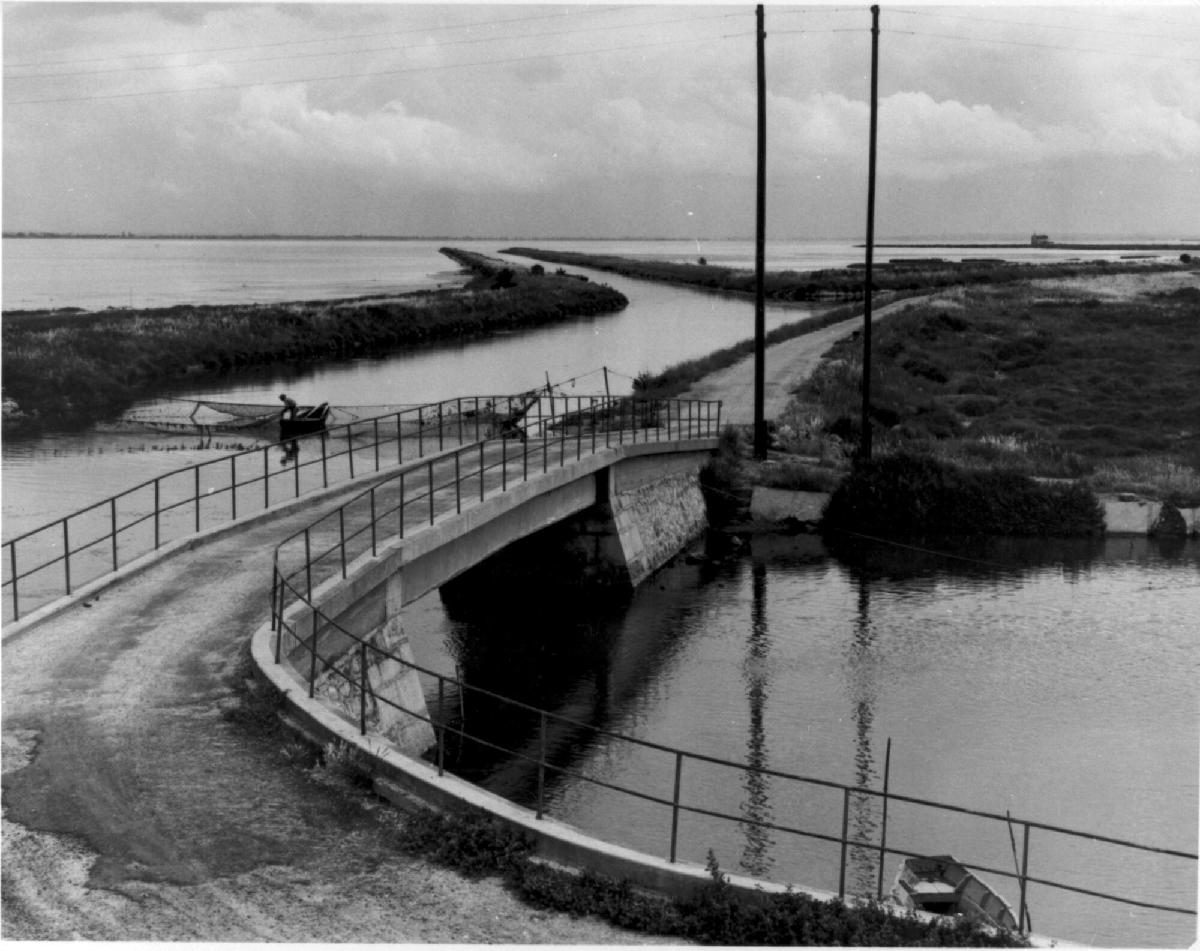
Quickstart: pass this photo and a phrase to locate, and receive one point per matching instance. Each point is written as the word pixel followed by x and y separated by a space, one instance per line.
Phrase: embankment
pixel 71 368
pixel 835 284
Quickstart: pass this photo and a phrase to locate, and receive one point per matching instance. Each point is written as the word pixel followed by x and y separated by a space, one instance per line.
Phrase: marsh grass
pixel 1067 387
pixel 76 368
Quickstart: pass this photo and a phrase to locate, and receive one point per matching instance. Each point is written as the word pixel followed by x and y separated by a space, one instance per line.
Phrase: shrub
pixel 918 495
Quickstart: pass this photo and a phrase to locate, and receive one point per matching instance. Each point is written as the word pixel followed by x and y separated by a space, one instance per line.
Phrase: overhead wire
pixel 371 49
pixel 329 39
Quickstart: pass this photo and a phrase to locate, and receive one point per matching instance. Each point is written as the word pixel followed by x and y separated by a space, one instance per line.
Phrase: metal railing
pixel 55 560
pixel 352 668
pixel 417 495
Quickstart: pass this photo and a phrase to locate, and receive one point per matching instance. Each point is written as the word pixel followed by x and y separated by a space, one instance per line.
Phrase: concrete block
pixel 1129 515
pixel 775 505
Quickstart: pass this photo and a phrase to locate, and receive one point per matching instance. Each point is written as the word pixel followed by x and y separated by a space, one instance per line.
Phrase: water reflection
pixel 1055 680
pixel 757 858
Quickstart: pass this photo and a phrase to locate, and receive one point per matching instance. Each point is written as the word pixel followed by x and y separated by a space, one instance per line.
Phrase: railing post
pixel 545 445
pixel 845 830
pixel 477 419
pixel 675 804
pixel 441 724
pixel 420 432
pixel 296 473
pixel 67 554
pixel 401 505
pixel 157 513
pixel 312 663
pixel 350 446
pixel 375 426
pixel 324 464
pixel 458 484
pixel 196 495
pixel 1023 920
pixel 441 426
pixel 541 800
pixel 460 426
pixel 342 538
pixel 308 562
pixel 887 772
pixel 430 491
pixel 592 407
pixel 362 689
pixel 374 527
pixel 266 478
pixel 12 563
pixel 112 517
pixel 524 459
pixel 399 438
pixel 233 488
pixel 482 471
pixel 503 465
pixel 275 586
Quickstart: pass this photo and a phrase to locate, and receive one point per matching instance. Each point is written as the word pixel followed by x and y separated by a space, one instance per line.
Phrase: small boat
pixel 306 420
pixel 942 885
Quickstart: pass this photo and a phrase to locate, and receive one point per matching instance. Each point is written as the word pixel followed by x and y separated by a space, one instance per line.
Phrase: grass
pixel 1068 386
pixel 71 368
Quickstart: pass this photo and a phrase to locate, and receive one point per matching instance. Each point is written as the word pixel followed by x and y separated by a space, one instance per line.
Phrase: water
pixel 1056 680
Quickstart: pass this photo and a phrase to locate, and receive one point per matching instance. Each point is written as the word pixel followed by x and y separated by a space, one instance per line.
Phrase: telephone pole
pixel 865 447
pixel 760 424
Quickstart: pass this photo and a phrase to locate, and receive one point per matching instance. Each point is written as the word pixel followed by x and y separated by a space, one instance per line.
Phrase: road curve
pixel 134 810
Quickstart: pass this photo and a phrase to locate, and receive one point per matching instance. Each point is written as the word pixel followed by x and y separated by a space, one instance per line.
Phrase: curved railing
pixel 47 563
pixel 352 668
pixel 439 488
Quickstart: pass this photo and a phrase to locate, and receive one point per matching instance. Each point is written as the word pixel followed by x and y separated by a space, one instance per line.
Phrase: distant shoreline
pixel 1050 246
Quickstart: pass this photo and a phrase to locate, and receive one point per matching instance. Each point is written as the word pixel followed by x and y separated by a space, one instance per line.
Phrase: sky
pixel 595 120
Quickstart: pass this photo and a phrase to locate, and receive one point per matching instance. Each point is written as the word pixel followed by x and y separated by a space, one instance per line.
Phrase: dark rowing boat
pixel 305 421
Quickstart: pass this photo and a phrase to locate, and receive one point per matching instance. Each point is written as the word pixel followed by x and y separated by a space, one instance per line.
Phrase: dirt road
pixel 786 366
pixel 134 810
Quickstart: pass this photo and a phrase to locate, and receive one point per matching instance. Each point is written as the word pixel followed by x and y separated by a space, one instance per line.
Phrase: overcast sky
pixel 598 121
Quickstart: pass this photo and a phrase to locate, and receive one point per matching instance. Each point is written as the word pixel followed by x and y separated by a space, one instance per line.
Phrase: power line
pixel 1046 46
pixel 375 49
pixel 1040 26
pixel 329 39
pixel 364 74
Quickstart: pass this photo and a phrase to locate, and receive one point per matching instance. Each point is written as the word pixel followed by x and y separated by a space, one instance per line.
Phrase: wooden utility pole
pixel 760 423
pixel 865 448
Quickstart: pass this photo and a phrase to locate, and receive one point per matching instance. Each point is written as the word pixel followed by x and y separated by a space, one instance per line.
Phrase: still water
pixel 1056 681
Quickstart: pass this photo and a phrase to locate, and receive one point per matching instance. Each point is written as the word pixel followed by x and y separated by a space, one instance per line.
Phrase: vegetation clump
pixel 907 495
pixel 478 845
pixel 71 368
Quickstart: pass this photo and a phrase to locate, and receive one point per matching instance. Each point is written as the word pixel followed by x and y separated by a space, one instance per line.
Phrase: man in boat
pixel 289 406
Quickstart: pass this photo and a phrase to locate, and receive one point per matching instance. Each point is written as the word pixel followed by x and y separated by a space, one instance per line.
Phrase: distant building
pixel 1040 240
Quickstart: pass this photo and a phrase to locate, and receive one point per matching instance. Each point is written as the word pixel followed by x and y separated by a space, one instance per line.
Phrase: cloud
pixel 277 124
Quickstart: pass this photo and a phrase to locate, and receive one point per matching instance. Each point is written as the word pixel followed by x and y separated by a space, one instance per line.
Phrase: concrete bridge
pixel 478 524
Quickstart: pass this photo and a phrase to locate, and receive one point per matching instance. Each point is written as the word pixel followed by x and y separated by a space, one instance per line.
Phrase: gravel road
pixel 135 810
